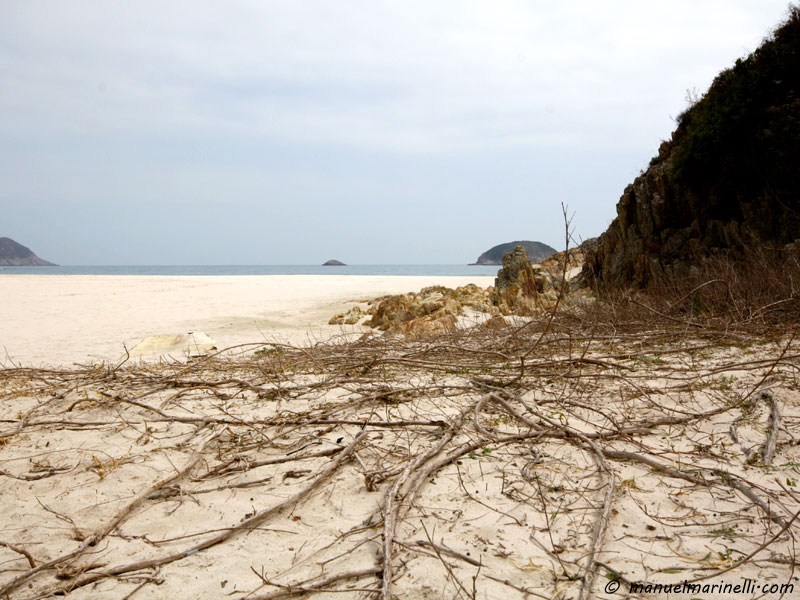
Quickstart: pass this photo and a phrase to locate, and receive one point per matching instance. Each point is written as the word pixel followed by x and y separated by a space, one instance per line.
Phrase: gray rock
pixel 537 251
pixel 12 253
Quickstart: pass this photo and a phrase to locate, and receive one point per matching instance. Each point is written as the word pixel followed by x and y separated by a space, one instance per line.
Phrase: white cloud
pixel 418 76
pixel 399 112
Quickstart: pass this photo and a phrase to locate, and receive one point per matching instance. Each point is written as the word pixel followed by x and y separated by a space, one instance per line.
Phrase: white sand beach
pixel 398 464
pixel 63 319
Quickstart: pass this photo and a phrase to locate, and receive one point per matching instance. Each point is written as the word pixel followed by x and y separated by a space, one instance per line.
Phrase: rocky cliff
pixel 12 253
pixel 726 181
pixel 537 251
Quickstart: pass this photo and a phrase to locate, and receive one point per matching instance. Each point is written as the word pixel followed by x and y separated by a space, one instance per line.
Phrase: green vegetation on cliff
pixel 725 185
pixel 537 251
pixel 738 148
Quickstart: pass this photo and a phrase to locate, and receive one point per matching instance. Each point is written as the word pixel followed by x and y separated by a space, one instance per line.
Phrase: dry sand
pixel 62 319
pixel 655 457
pixel 232 479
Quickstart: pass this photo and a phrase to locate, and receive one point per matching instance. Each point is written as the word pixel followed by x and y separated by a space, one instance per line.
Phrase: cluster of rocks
pixel 431 311
pixel 525 288
pixel 576 257
pixel 521 289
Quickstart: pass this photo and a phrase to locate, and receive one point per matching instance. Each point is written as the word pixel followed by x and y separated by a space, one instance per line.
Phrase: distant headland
pixel 13 253
pixel 333 263
pixel 537 251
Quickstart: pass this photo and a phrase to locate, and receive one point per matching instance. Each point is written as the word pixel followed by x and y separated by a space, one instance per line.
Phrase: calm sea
pixel 424 270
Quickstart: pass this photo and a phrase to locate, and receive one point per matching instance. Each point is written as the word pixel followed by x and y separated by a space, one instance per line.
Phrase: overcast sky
pixel 374 132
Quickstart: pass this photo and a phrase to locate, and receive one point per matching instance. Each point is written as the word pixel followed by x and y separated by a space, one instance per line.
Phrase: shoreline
pixel 60 320
pixel 432 270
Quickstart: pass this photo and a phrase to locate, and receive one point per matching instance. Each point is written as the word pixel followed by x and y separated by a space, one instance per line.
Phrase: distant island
pixel 537 251
pixel 333 263
pixel 13 253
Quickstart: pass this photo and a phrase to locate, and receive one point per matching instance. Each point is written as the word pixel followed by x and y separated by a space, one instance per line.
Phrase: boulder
pixel 429 326
pixel 351 317
pixel 518 286
pixel 194 343
pixel 495 323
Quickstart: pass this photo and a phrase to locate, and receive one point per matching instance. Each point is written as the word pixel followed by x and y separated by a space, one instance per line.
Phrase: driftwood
pixel 523 462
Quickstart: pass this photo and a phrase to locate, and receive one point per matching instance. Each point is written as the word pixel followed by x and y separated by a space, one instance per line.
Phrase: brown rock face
pixel 576 257
pixel 517 286
pixel 432 311
pixel 646 235
pixel 429 326
pixel 662 227
pixel 521 289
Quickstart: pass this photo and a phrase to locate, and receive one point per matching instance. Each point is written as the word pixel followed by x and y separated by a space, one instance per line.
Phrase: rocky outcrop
pixel 433 310
pixel 526 289
pixel 517 287
pixel 576 257
pixel 522 289
pixel 537 251
pixel 333 263
pixel 351 317
pixel 657 229
pixel 12 253
pixel 724 183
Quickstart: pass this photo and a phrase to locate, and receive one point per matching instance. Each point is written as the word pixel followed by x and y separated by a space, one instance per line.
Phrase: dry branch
pixel 567 423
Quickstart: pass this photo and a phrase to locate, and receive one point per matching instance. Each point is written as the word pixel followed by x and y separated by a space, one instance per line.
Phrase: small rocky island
pixel 15 254
pixel 333 263
pixel 537 251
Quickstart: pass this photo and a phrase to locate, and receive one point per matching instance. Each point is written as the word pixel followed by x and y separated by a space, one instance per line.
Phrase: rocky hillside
pixel 726 181
pixel 536 250
pixel 12 253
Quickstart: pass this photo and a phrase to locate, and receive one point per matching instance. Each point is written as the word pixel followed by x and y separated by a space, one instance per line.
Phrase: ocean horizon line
pixel 256 269
pixel 255 265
